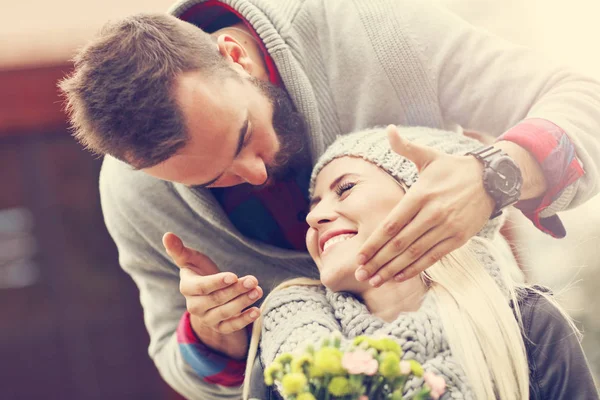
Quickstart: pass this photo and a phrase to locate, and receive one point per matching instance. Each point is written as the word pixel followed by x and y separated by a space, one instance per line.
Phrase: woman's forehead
pixel 347 164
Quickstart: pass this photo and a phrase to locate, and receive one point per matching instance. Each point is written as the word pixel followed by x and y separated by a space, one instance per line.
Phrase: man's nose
pixel 252 170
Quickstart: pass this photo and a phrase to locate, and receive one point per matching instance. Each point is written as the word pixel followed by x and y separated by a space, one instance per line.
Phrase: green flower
pixel 337 339
pixel 300 362
pixel 385 344
pixel 416 368
pixel 389 366
pixel 293 383
pixel 389 344
pixel 397 395
pixel 358 340
pixel 284 358
pixel 329 360
pixel 339 386
pixel 274 369
pixel 305 396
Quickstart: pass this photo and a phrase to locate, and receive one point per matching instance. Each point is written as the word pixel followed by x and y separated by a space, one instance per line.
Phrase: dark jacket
pixel 558 369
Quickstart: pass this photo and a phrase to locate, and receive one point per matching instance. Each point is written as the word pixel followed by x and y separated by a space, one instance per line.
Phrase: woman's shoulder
pixel 535 304
pixel 294 298
pixel 542 318
pixel 557 364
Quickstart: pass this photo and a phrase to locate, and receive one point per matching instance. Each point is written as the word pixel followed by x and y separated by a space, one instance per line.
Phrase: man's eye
pixel 248 136
pixel 344 187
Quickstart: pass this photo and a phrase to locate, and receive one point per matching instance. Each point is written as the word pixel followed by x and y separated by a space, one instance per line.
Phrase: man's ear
pixel 233 51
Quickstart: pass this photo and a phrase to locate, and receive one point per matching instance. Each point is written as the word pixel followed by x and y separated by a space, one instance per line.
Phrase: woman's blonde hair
pixel 483 330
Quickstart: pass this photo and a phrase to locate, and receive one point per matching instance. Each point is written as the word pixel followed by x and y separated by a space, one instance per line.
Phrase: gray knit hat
pixel 372 145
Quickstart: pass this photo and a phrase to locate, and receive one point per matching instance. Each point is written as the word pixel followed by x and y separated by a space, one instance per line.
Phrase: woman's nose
pixel 252 170
pixel 320 214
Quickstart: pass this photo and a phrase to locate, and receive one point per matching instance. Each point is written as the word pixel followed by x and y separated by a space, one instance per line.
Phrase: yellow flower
pixel 298 363
pixel 284 358
pixel 305 396
pixel 272 370
pixel 315 372
pixel 390 365
pixel 339 386
pixel 293 383
pixel 329 360
pixel 416 368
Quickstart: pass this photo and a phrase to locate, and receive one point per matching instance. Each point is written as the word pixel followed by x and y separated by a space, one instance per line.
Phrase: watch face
pixel 507 177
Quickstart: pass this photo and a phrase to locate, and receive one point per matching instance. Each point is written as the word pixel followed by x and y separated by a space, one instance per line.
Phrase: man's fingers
pixel 389 228
pixel 422 156
pixel 428 259
pixel 174 247
pixel 413 253
pixel 192 284
pixel 410 243
pixel 215 316
pixel 185 257
pixel 239 322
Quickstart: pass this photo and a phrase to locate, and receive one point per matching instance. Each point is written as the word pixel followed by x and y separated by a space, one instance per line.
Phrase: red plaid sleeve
pixel 213 367
pixel 555 153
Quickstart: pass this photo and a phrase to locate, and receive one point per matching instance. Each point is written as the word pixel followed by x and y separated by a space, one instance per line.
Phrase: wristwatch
pixel 502 177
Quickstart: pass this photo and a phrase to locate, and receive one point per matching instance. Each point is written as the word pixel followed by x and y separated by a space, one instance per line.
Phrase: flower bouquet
pixel 364 369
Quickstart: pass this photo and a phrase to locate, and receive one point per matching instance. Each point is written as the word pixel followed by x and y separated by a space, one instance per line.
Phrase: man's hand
pixel 216 300
pixel 439 213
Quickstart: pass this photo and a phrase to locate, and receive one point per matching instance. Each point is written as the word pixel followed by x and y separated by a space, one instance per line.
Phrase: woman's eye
pixel 343 188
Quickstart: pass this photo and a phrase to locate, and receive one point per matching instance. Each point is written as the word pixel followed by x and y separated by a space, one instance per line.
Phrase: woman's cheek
pixel 312 245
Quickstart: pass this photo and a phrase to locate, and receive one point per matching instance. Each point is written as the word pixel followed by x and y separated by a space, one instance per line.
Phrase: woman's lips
pixel 331 238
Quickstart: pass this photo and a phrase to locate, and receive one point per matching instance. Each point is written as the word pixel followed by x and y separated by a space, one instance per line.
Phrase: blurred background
pixel 70 322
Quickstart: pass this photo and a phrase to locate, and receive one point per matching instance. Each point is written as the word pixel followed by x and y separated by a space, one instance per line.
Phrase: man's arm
pixel 137 210
pixel 487 84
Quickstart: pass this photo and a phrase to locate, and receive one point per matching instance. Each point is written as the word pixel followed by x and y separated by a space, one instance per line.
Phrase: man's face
pixel 242 130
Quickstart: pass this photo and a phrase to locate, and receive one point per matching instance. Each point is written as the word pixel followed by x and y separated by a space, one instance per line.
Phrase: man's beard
pixel 290 128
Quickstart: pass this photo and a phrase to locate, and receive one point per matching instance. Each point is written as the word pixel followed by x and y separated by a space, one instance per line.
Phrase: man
pixel 212 133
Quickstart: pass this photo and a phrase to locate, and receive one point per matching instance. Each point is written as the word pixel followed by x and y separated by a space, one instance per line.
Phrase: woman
pixel 463 318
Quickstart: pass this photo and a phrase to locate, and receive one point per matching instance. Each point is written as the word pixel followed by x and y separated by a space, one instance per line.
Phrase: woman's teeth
pixel 337 239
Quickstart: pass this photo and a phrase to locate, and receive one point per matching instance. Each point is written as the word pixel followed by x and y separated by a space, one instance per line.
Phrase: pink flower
pixel 436 383
pixel 360 362
pixel 405 367
pixel 363 397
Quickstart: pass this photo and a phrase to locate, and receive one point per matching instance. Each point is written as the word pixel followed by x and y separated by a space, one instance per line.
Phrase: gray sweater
pixel 348 65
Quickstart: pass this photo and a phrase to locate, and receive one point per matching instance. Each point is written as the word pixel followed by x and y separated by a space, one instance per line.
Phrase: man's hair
pixel 120 97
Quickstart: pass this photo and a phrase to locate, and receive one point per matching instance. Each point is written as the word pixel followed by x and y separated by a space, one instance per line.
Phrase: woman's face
pixel 351 198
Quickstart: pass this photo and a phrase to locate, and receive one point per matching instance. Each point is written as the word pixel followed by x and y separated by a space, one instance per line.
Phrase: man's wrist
pixel 208 337
pixel 534 181
pixel 212 339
